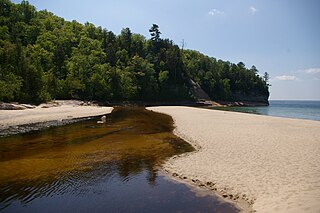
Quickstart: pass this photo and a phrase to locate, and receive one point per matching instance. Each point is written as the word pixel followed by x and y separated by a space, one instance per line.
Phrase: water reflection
pixel 87 158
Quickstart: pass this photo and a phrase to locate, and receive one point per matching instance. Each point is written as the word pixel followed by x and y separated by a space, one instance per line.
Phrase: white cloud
pixel 286 78
pixel 311 71
pixel 215 12
pixel 253 10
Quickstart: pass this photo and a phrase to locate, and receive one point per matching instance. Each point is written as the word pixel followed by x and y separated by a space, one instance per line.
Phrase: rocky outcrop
pixel 11 106
pixel 252 97
pixel 198 92
pixel 238 98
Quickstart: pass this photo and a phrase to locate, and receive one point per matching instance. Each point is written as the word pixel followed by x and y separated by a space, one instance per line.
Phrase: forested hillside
pixel 44 57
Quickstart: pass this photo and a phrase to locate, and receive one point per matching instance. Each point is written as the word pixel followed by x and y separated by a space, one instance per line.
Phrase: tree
pixel 43 56
pixel 163 83
pixel 83 64
pixel 110 47
pixel 138 43
pixel 266 78
pixel 155 33
pixel 254 69
pixel 143 75
pixel 26 10
pixel 10 85
pixel 125 39
pixel 225 92
pixel 241 65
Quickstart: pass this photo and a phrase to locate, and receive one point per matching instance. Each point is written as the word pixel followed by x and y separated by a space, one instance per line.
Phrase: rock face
pixel 253 97
pixel 198 92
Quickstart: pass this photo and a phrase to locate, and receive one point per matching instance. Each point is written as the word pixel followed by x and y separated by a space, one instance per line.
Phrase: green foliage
pixel 223 80
pixel 163 78
pixel 155 32
pixel 10 85
pixel 44 57
pixel 142 73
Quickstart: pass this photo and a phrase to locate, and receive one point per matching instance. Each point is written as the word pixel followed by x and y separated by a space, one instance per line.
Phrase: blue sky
pixel 281 37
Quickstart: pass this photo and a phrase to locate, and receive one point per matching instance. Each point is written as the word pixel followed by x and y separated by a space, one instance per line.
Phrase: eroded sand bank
pixel 66 110
pixel 273 163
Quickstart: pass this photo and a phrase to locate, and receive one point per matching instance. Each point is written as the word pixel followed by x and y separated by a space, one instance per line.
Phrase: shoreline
pixel 259 163
pixel 32 127
pixel 201 190
pixel 238 104
pixel 35 118
pixel 241 202
pixel 256 162
pixel 195 103
pixel 15 119
pixel 47 115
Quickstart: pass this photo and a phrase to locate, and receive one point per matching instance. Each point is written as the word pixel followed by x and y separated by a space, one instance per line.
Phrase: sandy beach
pixel 271 163
pixel 65 110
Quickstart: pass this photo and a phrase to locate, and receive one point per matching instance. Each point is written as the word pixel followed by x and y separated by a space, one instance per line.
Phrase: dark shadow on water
pixel 90 167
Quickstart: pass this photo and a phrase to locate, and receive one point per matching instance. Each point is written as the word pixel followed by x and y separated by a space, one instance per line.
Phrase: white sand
pixel 274 162
pixel 38 114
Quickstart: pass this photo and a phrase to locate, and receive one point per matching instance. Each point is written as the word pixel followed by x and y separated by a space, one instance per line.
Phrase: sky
pixel 281 37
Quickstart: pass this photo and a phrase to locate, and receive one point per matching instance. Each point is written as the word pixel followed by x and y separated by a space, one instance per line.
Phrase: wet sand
pixel 271 163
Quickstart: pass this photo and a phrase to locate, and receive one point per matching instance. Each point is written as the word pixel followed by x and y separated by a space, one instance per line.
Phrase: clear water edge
pixel 309 110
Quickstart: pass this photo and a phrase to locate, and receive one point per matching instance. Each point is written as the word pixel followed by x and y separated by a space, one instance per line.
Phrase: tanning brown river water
pixel 90 167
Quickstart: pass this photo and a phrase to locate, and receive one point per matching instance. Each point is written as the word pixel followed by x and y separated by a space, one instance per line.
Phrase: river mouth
pixel 87 166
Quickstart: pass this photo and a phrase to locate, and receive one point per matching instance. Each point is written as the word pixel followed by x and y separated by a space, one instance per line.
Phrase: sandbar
pixel 64 111
pixel 271 163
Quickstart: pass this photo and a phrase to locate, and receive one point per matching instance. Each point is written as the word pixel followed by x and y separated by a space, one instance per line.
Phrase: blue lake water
pixel 290 109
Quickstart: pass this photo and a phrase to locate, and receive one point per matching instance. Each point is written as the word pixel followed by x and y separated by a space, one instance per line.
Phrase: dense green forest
pixel 44 57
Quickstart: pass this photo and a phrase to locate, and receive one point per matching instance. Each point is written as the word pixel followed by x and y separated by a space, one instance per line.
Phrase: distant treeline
pixel 44 57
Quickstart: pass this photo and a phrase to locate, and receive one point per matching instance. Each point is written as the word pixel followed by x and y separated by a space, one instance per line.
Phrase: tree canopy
pixel 43 57
pixel 155 32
